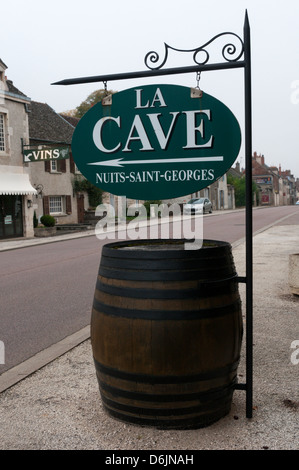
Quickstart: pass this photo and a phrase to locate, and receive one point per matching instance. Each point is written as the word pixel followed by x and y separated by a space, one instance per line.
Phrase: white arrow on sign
pixel 118 162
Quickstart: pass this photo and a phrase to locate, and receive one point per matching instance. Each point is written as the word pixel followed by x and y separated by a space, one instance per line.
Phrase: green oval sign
pixel 156 142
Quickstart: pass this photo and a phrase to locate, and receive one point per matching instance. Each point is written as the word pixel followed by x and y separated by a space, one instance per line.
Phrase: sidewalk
pixel 25 242
pixel 59 407
pixel 12 244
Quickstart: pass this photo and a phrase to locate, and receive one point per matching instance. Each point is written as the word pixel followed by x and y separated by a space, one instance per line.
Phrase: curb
pixel 39 360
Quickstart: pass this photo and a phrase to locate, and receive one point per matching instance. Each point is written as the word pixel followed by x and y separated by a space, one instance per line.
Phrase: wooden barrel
pixel 166 332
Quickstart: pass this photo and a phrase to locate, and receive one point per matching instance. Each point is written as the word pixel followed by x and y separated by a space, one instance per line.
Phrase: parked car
pixel 198 206
pixel 297 203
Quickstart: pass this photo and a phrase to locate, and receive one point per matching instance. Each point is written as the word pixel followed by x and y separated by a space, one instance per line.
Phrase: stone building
pixel 51 174
pixel 277 187
pixel 222 194
pixel 16 191
pixel 289 193
pixel 267 180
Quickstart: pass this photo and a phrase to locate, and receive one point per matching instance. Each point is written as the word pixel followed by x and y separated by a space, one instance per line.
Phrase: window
pixel 56 204
pixel 53 165
pixel 2 133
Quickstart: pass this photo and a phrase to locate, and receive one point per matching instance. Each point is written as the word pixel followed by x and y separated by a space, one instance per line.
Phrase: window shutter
pixel 68 204
pixel 72 164
pixel 47 165
pixel 63 166
pixel 46 206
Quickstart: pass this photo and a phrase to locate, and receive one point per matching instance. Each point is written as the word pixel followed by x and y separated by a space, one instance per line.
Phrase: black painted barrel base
pixel 168 423
pixel 173 410
pixel 166 332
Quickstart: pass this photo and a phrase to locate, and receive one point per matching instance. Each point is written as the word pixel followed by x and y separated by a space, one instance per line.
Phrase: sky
pixel 45 41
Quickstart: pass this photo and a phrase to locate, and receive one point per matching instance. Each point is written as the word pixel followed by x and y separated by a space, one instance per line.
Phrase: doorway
pixel 11 216
pixel 80 208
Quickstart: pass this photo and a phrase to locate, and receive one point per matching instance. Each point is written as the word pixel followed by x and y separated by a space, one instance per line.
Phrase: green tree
pixel 91 100
pixel 239 185
pixel 94 193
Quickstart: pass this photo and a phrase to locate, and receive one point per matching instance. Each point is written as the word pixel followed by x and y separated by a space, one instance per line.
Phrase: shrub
pixel 47 220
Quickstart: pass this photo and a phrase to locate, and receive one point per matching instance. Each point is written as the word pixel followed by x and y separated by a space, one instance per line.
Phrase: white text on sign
pixel 138 129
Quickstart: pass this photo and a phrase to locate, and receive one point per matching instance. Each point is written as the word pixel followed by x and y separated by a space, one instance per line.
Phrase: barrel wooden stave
pixel 169 359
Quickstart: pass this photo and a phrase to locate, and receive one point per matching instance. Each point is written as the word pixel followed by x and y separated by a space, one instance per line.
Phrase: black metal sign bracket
pixel 232 55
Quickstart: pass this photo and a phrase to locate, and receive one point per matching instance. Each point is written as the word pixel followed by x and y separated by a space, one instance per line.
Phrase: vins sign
pixel 156 142
pixel 41 154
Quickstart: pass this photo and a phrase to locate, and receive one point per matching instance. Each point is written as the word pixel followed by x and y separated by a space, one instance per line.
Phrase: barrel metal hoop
pixel 200 265
pixel 166 379
pixel 204 396
pixel 200 420
pixel 161 411
pixel 202 289
pixel 163 315
pixel 162 274
pixel 124 249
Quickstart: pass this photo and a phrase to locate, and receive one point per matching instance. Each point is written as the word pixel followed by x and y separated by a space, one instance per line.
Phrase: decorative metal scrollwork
pixel 230 52
pixel 39 188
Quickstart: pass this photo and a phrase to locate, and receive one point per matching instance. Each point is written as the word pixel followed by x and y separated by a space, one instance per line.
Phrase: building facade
pixel 16 191
pixel 53 176
pixel 277 187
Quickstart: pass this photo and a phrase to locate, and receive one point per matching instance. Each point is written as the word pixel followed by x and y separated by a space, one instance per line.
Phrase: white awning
pixel 15 183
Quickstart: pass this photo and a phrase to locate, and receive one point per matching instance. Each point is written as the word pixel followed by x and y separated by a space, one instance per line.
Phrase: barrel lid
pixel 169 248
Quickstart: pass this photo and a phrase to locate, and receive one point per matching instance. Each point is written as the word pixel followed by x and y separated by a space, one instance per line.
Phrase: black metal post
pixel 248 279
pixel 249 251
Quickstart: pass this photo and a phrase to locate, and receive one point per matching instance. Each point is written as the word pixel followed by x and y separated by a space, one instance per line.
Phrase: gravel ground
pixel 59 407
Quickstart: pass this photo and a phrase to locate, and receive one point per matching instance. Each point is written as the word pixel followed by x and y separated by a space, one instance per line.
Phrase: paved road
pixel 234 227
pixel 46 291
